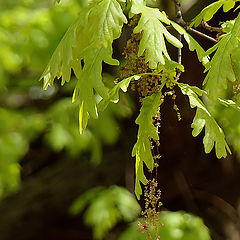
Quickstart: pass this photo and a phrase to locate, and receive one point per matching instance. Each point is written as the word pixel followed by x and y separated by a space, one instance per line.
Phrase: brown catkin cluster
pixel 145 86
pixel 148 84
pixel 152 197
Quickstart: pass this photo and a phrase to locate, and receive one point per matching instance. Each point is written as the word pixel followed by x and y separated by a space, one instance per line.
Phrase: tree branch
pixel 201 34
pixel 210 28
pixel 180 20
pixel 178 13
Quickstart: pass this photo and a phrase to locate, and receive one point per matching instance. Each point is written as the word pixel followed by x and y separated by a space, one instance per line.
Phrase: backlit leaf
pixel 114 92
pixel 213 133
pixel 85 46
pixel 142 148
pixel 153 42
pixel 192 43
pixel 207 13
pixel 220 68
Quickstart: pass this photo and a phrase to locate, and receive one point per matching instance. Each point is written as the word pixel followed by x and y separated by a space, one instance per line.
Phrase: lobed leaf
pixel 207 13
pixel 235 60
pixel 213 133
pixel 227 26
pixel 142 148
pixel 220 68
pixel 105 208
pixel 114 92
pixel 84 47
pixel 152 42
pixel 192 43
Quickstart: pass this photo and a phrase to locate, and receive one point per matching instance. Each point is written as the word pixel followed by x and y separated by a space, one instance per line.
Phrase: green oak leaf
pixel 87 44
pixel 142 148
pixel 153 42
pixel 192 43
pixel 227 26
pixel 207 13
pixel 220 68
pixel 114 92
pixel 213 133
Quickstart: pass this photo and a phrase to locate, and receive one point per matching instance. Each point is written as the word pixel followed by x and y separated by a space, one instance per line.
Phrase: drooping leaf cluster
pixel 152 42
pixel 88 43
pixel 221 68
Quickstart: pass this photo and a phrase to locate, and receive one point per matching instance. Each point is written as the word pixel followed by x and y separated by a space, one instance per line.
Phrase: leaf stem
pixel 201 34
pixel 210 28
pixel 178 13
pixel 226 103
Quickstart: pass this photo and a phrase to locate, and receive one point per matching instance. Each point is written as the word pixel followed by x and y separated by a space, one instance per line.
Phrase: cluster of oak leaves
pixel 146 86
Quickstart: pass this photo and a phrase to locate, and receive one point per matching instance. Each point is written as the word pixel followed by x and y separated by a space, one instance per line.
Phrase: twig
pixel 180 50
pixel 180 21
pixel 201 34
pixel 179 13
pixel 210 28
pixel 196 32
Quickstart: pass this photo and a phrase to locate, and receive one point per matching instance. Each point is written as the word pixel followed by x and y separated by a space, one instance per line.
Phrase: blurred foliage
pixel 30 30
pixel 29 33
pixel 16 132
pixel 105 208
pixel 173 226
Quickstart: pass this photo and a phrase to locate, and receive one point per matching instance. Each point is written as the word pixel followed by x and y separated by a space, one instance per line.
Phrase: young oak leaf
pixel 213 133
pixel 89 43
pixel 235 59
pixel 227 26
pixel 207 13
pixel 104 24
pixel 220 68
pixel 62 61
pixel 90 79
pixel 142 148
pixel 224 102
pixel 114 92
pixel 152 42
pixel 192 43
